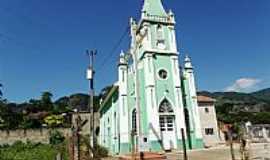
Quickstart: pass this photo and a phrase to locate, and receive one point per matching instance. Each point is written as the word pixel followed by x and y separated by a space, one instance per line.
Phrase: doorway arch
pixel 167 125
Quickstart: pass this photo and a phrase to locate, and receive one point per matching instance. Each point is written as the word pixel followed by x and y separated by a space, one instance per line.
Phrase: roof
pixel 205 99
pixel 111 92
pixel 154 7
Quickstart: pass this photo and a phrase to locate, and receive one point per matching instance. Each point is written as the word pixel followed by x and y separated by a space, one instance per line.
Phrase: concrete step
pixel 146 156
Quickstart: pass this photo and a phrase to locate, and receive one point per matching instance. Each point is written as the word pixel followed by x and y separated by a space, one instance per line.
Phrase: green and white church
pixel 150 81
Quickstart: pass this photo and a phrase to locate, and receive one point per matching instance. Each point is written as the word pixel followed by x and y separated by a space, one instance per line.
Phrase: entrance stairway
pixel 145 156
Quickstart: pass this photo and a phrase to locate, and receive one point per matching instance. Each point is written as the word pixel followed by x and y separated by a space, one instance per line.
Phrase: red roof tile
pixel 205 99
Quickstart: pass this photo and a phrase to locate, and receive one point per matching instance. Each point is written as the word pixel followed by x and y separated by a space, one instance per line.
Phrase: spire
pixel 122 60
pixel 154 7
pixel 188 64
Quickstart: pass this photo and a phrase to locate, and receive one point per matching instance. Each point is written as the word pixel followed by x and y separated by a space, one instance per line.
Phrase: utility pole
pixel 184 144
pixel 231 143
pixel 90 77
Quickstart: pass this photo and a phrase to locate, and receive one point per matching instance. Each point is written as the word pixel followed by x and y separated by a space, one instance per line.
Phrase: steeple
pixel 188 64
pixel 122 60
pixel 154 8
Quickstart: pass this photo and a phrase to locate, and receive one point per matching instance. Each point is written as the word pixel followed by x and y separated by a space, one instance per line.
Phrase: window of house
pixel 206 110
pixel 209 131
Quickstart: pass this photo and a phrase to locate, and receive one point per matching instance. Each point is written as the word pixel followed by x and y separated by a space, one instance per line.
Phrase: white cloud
pixel 243 85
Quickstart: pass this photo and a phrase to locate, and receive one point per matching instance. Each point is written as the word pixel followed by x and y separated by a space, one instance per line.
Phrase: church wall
pixel 164 87
pixel 143 106
pixel 108 120
pixel 166 32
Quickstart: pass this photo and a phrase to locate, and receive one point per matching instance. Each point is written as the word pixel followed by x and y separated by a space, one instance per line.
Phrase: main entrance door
pixel 167 125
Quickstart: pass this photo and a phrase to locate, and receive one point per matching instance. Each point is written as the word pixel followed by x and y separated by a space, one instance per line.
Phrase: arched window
pixel 159 32
pixel 165 107
pixel 134 121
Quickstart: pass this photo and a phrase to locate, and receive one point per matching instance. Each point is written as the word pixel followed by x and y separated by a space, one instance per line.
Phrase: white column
pixel 151 102
pixel 172 37
pixel 179 109
pixel 123 104
pixel 194 102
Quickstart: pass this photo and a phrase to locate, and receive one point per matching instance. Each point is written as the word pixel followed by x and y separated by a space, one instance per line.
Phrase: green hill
pixel 262 95
pixel 236 107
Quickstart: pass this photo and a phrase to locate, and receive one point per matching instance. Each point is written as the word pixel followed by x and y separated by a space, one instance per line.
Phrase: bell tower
pixel 156 29
pixel 154 43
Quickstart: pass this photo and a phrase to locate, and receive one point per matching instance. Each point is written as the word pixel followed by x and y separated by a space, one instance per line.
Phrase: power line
pixel 115 47
pixel 137 17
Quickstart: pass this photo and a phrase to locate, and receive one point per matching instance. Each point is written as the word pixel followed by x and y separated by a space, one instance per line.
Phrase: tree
pixel 54 120
pixel 62 105
pixel 8 118
pixel 79 101
pixel 105 91
pixel 46 101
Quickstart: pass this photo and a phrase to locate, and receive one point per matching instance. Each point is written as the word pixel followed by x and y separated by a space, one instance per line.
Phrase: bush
pixel 56 137
pixel 29 151
pixel 100 151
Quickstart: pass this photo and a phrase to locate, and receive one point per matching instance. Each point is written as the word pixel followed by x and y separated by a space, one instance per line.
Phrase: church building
pixel 154 98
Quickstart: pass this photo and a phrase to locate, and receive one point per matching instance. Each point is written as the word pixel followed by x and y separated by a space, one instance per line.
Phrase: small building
pixel 209 125
pixel 259 132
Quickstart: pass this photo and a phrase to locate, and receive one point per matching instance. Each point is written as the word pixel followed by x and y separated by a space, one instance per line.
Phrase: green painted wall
pixel 164 86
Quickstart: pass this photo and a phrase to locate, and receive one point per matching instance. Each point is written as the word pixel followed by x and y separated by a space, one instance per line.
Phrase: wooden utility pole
pixel 76 143
pixel 231 143
pixel 90 77
pixel 184 144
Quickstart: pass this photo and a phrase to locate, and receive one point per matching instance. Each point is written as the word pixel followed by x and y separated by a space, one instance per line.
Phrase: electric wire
pixel 114 48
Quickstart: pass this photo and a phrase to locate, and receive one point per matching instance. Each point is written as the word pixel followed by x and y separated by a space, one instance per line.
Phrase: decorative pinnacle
pixel 188 64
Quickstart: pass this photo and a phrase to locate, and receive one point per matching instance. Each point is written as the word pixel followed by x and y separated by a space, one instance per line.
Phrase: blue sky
pixel 42 43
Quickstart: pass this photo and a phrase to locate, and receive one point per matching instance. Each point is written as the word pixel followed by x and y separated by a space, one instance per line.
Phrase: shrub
pixel 29 151
pixel 100 151
pixel 56 137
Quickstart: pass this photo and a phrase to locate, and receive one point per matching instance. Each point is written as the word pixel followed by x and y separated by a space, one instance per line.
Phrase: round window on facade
pixel 163 74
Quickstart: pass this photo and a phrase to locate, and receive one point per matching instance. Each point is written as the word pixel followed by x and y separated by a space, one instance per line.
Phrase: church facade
pixel 153 88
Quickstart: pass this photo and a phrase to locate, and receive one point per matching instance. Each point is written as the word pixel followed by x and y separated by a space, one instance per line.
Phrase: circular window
pixel 163 74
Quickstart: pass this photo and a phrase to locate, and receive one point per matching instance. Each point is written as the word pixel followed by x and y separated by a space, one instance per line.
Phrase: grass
pixel 31 151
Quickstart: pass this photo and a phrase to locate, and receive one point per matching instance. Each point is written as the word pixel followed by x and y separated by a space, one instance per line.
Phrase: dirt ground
pixel 257 152
pixel 260 151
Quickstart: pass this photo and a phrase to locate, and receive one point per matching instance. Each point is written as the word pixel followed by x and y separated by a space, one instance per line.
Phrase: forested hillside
pixel 234 106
